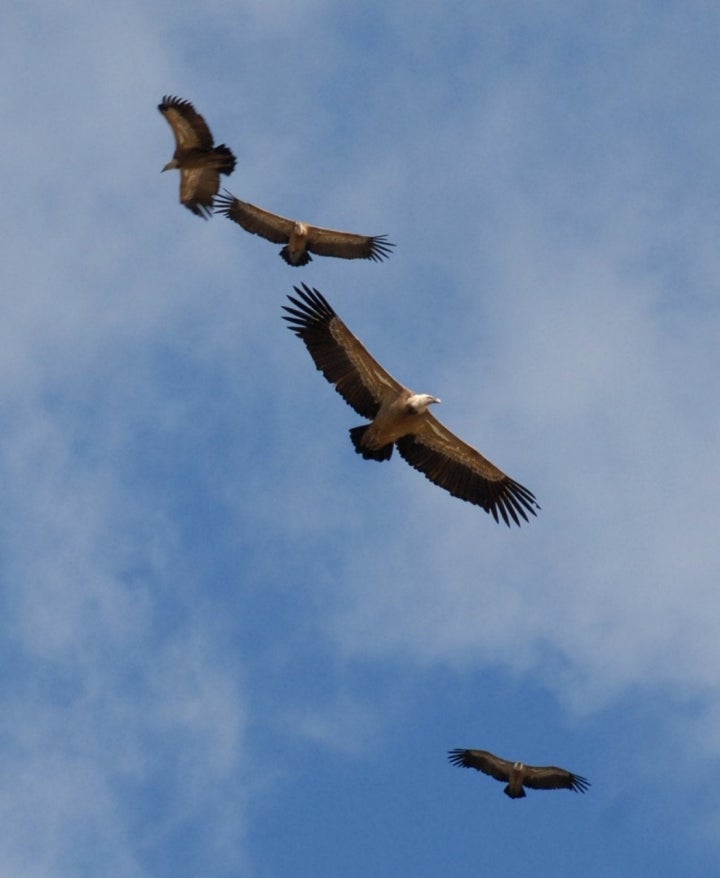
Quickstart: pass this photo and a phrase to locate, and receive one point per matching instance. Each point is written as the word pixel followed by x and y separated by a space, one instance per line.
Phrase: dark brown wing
pixel 549 777
pixel 459 468
pixel 343 359
pixel 197 189
pixel 189 127
pixel 254 219
pixel 481 760
pixel 346 245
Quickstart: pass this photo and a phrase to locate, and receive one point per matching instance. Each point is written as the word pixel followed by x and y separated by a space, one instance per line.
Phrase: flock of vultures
pixel 398 417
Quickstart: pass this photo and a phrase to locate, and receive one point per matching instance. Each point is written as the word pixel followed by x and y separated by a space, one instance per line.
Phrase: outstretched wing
pixel 198 186
pixel 550 777
pixel 346 245
pixel 189 127
pixel 343 359
pixel 459 468
pixel 254 219
pixel 481 760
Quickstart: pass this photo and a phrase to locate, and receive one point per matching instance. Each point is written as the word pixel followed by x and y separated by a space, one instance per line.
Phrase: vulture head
pixel 419 403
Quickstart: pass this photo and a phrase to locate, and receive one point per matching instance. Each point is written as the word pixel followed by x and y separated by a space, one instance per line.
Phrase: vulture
pixel 301 239
pixel 399 416
pixel 517 775
pixel 199 162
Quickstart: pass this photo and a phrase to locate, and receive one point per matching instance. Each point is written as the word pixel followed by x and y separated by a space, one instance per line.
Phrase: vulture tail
pixel 300 259
pixel 226 165
pixel 384 453
pixel 515 794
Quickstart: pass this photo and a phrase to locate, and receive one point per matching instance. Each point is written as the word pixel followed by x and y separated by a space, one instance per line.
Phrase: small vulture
pixel 517 775
pixel 399 416
pixel 199 162
pixel 301 239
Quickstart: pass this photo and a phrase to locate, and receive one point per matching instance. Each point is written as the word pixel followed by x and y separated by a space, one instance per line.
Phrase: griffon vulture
pixel 199 162
pixel 517 775
pixel 399 416
pixel 301 239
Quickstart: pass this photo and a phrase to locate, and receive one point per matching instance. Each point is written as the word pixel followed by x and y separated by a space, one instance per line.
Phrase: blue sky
pixel 231 646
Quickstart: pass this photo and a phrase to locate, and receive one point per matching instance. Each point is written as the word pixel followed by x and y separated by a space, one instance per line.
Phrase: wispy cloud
pixel 197 569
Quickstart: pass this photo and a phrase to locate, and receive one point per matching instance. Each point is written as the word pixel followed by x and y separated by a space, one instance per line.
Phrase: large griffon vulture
pixel 399 416
pixel 301 239
pixel 517 775
pixel 199 162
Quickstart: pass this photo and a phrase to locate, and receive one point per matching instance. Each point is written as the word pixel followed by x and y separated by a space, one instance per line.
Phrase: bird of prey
pixel 399 416
pixel 301 239
pixel 199 162
pixel 517 775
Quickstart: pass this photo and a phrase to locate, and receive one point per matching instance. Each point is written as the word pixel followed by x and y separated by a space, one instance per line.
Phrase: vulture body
pixel 199 162
pixel 301 239
pixel 517 775
pixel 400 417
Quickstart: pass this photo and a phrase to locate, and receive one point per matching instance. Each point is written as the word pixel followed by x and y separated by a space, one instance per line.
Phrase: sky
pixel 230 646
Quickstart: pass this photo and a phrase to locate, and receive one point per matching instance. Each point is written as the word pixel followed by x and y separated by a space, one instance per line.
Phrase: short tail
pixel 302 259
pixel 226 164
pixel 356 435
pixel 517 794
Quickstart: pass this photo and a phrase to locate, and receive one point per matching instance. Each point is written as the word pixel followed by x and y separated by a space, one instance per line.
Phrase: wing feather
pixel 338 354
pixel 550 777
pixel 452 464
pixel 188 126
pixel 481 760
pixel 347 245
pixel 197 189
pixel 254 219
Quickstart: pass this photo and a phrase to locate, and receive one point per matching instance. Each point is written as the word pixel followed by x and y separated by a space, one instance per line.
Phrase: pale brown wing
pixel 460 469
pixel 189 127
pixel 346 245
pixel 343 359
pixel 550 777
pixel 254 219
pixel 481 760
pixel 197 189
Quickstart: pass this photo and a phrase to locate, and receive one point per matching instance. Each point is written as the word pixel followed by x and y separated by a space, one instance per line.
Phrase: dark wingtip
pixel 580 784
pixel 172 101
pixel 381 248
pixel 223 203
pixel 457 757
pixel 314 296
pixel 310 309
pixel 516 500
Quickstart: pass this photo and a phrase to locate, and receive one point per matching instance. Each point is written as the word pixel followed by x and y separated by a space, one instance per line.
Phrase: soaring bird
pixel 517 775
pixel 400 416
pixel 199 162
pixel 301 239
